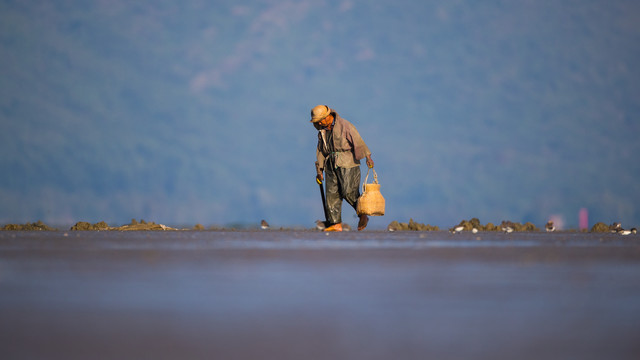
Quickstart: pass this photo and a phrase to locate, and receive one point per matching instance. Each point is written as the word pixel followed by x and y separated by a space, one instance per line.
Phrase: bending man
pixel 340 149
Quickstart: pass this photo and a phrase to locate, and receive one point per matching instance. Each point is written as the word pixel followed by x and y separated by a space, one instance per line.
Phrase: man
pixel 339 151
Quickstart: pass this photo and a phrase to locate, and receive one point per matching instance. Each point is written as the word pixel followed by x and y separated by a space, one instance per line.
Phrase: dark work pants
pixel 342 184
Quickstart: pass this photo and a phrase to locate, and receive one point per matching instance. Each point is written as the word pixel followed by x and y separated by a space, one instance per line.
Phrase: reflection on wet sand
pixel 312 295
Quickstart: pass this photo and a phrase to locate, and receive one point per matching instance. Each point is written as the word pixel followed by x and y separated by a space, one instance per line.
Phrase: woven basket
pixel 371 201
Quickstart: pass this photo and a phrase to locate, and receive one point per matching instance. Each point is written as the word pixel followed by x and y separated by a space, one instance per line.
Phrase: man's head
pixel 321 116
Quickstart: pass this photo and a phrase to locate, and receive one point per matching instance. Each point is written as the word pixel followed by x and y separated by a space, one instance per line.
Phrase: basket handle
pixel 375 178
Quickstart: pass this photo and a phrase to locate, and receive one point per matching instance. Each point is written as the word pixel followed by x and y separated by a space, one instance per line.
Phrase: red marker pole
pixel 583 219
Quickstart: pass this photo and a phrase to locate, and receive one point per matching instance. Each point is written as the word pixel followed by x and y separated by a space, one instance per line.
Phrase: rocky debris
pixel 411 226
pixel 85 226
pixel 474 226
pixel 600 227
pixel 615 228
pixel 133 226
pixel 36 226
pixel 510 226
pixel 143 226
pixel 469 225
pixel 518 226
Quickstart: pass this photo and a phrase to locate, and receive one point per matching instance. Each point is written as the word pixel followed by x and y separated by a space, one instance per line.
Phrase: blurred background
pixel 198 111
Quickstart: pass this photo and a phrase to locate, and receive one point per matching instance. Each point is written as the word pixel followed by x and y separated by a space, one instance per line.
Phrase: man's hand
pixel 319 177
pixel 369 162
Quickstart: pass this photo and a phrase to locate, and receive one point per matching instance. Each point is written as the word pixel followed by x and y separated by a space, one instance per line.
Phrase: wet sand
pixel 309 295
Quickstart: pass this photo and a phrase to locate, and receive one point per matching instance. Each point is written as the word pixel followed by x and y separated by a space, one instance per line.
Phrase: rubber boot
pixel 334 227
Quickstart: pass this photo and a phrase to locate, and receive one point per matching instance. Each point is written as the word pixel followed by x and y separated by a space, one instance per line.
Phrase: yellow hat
pixel 320 112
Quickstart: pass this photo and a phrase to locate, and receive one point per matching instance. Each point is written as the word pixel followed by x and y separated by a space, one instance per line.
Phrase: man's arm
pixel 369 161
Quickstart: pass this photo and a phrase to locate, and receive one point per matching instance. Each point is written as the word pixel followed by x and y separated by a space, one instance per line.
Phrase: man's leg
pixel 350 190
pixel 334 200
pixel 349 184
pixel 362 223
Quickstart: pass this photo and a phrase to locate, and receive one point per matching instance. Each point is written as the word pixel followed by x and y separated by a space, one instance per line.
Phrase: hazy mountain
pixel 197 111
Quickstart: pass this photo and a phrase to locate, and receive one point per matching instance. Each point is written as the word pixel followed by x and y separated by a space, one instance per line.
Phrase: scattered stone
pixel 410 226
pixel 36 226
pixel 507 226
pixel 465 225
pixel 600 227
pixel 490 227
pixel 143 226
pixel 528 226
pixel 85 226
pixel 133 226
pixel 514 226
pixel 472 225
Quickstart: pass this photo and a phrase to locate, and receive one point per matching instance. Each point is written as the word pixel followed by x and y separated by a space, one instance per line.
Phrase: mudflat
pixel 311 295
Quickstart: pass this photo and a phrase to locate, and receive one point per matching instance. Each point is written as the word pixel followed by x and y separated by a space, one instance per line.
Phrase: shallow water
pixel 312 295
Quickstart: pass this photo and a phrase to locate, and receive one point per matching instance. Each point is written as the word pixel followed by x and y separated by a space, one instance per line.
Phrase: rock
pixel 37 226
pixel 600 227
pixel 85 226
pixel 412 226
pixel 143 226
pixel 134 226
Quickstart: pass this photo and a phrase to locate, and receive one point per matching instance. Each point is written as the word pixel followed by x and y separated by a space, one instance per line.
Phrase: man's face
pixel 326 122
